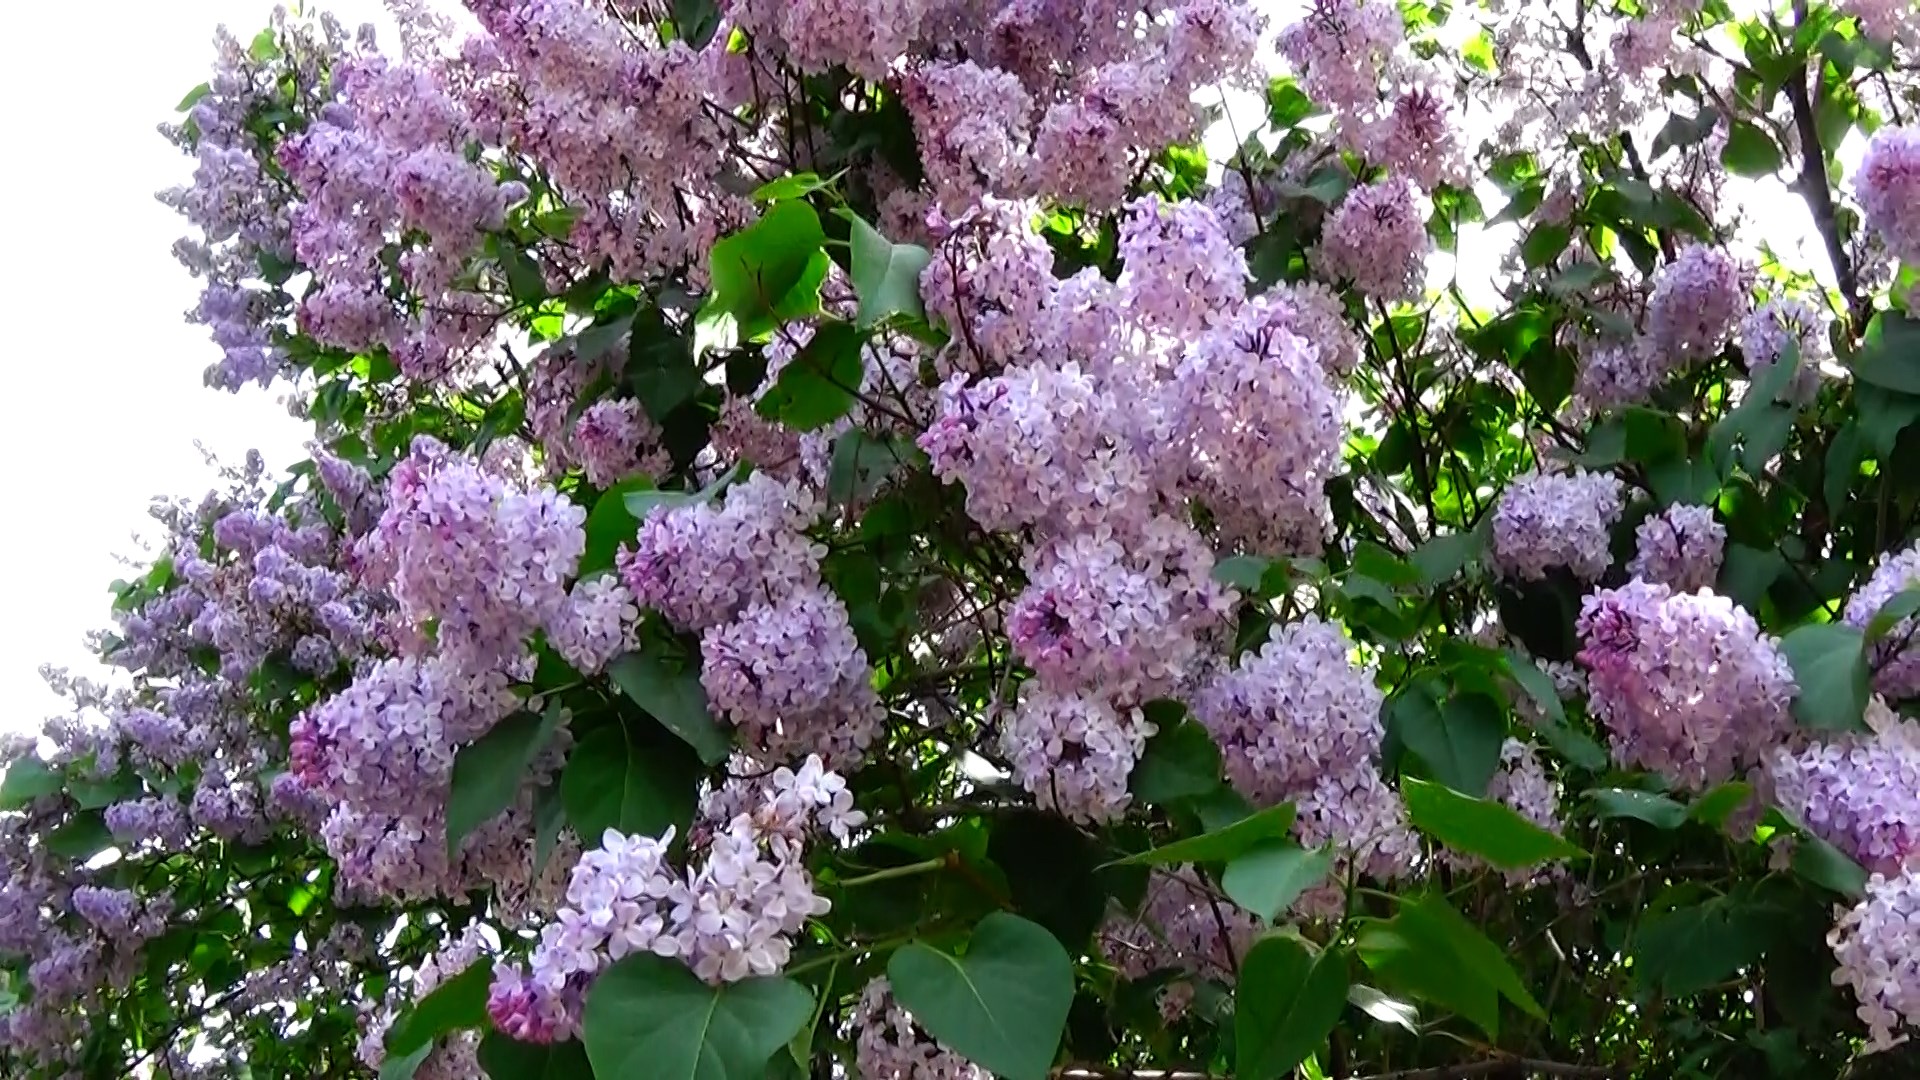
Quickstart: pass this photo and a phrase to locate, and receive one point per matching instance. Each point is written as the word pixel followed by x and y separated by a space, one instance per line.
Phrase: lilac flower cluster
pixel 888 1045
pixel 1376 240
pixel 1860 793
pixel 1185 924
pixel 1697 301
pixel 1686 684
pixel 1545 521
pixel 1522 785
pixel 732 914
pixel 1896 657
pixel 1680 547
pixel 1877 947
pixel 1773 327
pixel 1888 186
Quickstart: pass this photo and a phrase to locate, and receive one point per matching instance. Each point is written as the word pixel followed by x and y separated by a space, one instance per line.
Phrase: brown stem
pixel 1813 188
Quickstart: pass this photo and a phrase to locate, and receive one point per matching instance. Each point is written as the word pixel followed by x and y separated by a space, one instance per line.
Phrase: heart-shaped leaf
pixel 1002 1005
pixel 1286 1005
pixel 649 1016
pixel 673 697
pixel 612 782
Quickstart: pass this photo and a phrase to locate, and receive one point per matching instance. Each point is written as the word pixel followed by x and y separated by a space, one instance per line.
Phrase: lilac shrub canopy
pixel 914 539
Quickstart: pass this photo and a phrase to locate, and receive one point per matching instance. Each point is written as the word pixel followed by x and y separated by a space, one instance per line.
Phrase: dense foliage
pixel 839 543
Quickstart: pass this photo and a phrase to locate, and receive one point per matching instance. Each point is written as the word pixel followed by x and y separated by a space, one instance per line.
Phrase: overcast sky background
pixel 106 400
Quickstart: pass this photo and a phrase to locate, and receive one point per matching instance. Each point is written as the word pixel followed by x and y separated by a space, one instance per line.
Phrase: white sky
pixel 106 400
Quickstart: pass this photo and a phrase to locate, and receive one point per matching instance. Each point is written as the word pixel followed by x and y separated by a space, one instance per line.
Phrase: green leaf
pixel 1286 1004
pixel 1180 762
pixel 673 697
pixel 1267 878
pixel 488 772
pixel 1220 844
pixel 1890 357
pixel 1884 414
pixel 1830 665
pixel 265 47
pixel 1444 958
pixel 81 838
pixel 1459 740
pixel 403 1066
pixel 1243 572
pixel 27 779
pixel 506 1058
pixel 1827 866
pixel 1544 244
pixel 771 271
pixel 1575 746
pixel 1750 151
pixel 459 1004
pixel 1684 131
pixel 696 20
pixel 611 523
pixel 1002 1005
pixel 1717 804
pixel 818 385
pixel 886 275
pixel 612 783
pixel 1383 1007
pixel 1656 810
pixel 193 97
pixel 1690 949
pixel 1481 827
pixel 642 501
pixel 648 1016
pixel 1440 558
pixel 863 461
pixel 796 186
pixel 1900 607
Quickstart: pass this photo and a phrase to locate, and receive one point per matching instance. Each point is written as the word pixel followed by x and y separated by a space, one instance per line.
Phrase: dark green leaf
pixel 403 1066
pixel 1717 804
pixel 611 782
pixel 458 1004
pixel 1656 810
pixel 1900 607
pixel 648 1016
pixel 1750 151
pixel 1180 762
pixel 27 779
pixel 505 1058
pixel 1241 571
pixel 1002 1004
pixel 1220 844
pixel 1440 558
pixel 1267 878
pixel 886 275
pixel 1827 866
pixel 1830 665
pixel 1890 358
pixel 1049 867
pixel 611 523
pixel 1481 827
pixel 1286 1004
pixel 1690 949
pixel 488 772
pixel 1544 244
pixel 818 385
pixel 863 461
pixel 81 838
pixel 1551 721
pixel 1884 414
pixel 696 20
pixel 1459 740
pixel 673 697
pixel 1430 950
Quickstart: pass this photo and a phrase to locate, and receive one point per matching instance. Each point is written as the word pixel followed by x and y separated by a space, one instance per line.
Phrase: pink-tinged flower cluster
pixel 1887 20
pixel 1685 683
pixel 791 678
pixel 595 624
pixel 1522 785
pixel 889 1045
pixel 1896 657
pixel 1876 945
pixel 1545 521
pixel 1262 424
pixel 1697 301
pixel 1376 240
pixel 989 279
pixel 1074 752
pixel 701 563
pixel 1363 820
pixel 974 129
pixel 1860 793
pixel 1039 445
pixel 1117 613
pixel 1185 924
pixel 1888 186
pixel 1680 547
pixel 1298 709
pixel 731 914
pixel 1781 326
pixel 485 562
pixel 1341 49
pixel 1418 135
pixel 1182 271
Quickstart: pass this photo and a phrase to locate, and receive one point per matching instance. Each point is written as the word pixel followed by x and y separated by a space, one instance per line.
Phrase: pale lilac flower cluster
pixel 1545 521
pixel 730 915
pixel 609 440
pixel 1182 271
pixel 1888 186
pixel 1887 20
pixel 1341 48
pixel 1680 547
pixel 1697 301
pixel 1262 424
pixel 487 563
pixel 1298 709
pixel 1376 240
pixel 1365 823
pixel 1613 373
pixel 792 679
pixel 1686 683
pixel 595 624
pixel 1877 947
pixel 700 564
pixel 1522 785
pixel 1185 924
pixel 1860 793
pixel 1772 329
pixel 1896 657
pixel 888 1045
pixel 1074 752
pixel 989 280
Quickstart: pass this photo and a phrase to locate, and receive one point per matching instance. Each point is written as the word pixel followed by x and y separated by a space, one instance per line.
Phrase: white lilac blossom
pixel 1680 547
pixel 1686 684
pixel 1553 520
